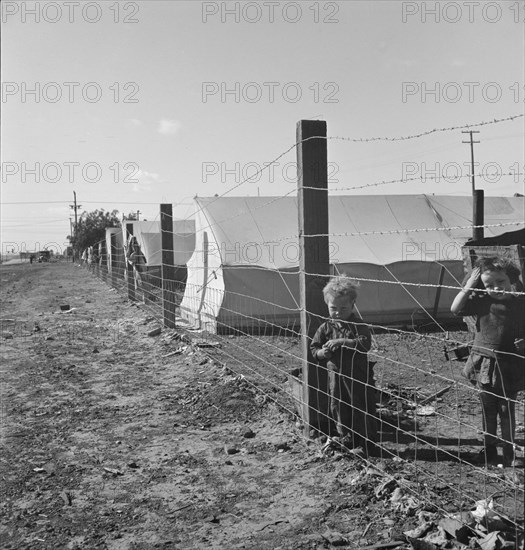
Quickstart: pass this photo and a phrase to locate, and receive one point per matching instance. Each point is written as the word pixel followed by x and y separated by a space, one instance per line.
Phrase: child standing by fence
pixel 496 364
pixel 137 259
pixel 342 344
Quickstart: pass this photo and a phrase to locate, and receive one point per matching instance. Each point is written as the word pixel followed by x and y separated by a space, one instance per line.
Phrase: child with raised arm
pixel 496 364
pixel 342 344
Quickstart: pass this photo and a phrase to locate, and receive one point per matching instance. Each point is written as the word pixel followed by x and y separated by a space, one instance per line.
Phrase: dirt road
pixel 115 439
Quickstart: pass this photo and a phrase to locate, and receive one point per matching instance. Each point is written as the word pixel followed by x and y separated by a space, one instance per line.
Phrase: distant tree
pixel 91 228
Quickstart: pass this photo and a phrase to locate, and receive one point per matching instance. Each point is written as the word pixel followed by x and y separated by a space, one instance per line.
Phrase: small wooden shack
pixel 510 245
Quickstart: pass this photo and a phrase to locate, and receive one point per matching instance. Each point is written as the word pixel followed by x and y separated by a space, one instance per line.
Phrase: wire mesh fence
pixel 428 415
pixel 400 391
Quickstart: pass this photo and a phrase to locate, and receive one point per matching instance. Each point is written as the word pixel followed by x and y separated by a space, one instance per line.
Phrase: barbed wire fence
pixel 253 319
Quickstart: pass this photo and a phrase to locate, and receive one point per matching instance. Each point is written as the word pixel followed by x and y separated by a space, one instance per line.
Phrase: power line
pixel 97 202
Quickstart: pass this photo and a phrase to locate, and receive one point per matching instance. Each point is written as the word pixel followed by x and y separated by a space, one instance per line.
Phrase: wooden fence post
pixel 96 259
pixel 103 260
pixel 113 253
pixel 312 181
pixel 438 292
pixel 168 266
pixel 129 266
pixel 478 214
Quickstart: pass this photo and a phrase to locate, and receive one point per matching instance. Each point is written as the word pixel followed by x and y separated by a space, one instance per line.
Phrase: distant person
pixel 32 258
pixel 496 365
pixel 341 344
pixel 95 258
pixel 138 261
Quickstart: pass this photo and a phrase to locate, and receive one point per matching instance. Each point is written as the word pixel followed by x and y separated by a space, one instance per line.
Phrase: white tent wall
pixel 391 303
pixel 119 252
pixel 252 295
pixel 204 291
pixel 183 246
pixel 256 294
pixel 246 274
pixel 457 212
pixel 148 235
pixel 149 239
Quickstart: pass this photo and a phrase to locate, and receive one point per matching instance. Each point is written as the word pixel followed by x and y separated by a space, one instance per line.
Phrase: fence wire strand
pixel 247 318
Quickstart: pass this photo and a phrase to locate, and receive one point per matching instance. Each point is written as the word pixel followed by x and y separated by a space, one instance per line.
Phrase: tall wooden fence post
pixel 113 257
pixel 129 266
pixel 312 181
pixel 478 214
pixel 103 260
pixel 168 265
pixel 96 259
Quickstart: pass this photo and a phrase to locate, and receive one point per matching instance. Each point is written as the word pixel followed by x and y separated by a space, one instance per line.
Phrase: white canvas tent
pixel 243 273
pixel 149 239
pixel 118 252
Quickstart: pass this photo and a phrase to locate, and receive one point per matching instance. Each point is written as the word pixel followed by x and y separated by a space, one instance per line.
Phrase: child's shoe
pixel 332 444
pixel 509 457
pixel 488 456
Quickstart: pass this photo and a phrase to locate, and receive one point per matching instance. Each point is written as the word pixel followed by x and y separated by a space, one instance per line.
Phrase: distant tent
pixel 244 271
pixel 457 211
pixel 149 239
pixel 115 255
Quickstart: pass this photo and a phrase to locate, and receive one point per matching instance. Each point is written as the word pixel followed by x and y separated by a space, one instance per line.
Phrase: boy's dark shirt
pixel 498 323
pixel 345 358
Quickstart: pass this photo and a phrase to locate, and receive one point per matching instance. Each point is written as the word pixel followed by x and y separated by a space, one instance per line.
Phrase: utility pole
pixel 75 207
pixel 471 141
pixel 70 239
pixel 477 195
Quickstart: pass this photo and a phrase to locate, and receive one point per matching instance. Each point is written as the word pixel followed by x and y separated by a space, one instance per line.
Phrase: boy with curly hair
pixel 341 344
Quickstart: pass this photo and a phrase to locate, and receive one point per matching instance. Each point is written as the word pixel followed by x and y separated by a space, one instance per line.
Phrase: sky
pixel 133 104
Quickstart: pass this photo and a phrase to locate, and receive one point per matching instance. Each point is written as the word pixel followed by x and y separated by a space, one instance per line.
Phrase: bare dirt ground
pixel 115 439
